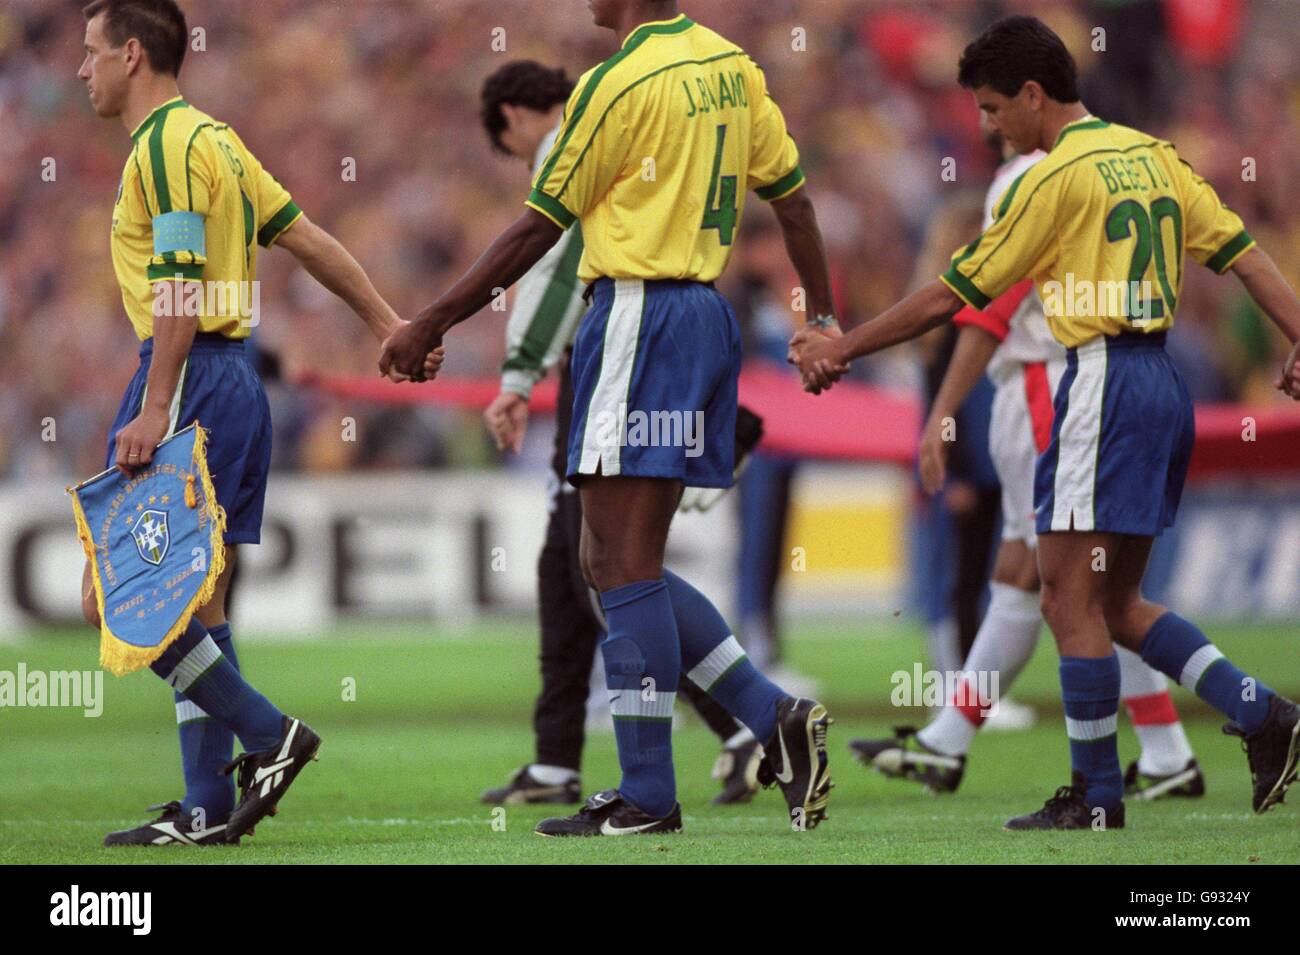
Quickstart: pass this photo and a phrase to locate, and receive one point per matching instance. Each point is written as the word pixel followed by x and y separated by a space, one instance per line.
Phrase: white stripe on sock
pixel 186 711
pixel 1087 730
pixel 193 664
pixel 720 659
pixel 1197 664
pixel 634 703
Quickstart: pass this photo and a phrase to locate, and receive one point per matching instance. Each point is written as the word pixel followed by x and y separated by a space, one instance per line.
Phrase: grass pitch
pixel 438 717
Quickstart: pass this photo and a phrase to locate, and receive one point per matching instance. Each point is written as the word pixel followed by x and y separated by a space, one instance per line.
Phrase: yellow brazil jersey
pixel 193 204
pixel 1101 224
pixel 658 145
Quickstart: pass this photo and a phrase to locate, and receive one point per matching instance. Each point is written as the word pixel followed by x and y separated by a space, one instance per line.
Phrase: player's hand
pixel 932 458
pixel 1289 380
pixel 406 352
pixel 138 440
pixel 507 420
pixel 817 357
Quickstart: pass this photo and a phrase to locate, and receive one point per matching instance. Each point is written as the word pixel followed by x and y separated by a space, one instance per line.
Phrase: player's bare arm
pixel 971 356
pixel 506 260
pixel 330 264
pixel 824 361
pixel 173 336
pixel 333 266
pixel 1273 293
pixel 803 242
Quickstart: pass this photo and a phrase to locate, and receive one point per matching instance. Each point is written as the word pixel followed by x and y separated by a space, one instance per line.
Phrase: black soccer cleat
pixel 607 813
pixel 904 756
pixel 264 777
pixel 524 788
pixel 795 757
pixel 1187 783
pixel 172 828
pixel 737 769
pixel 1067 810
pixel 1271 753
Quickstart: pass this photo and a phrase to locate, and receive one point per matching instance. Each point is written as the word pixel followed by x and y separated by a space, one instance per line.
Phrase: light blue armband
pixel 179 232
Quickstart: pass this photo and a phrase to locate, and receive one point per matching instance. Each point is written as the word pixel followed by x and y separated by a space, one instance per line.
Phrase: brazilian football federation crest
pixel 154 543
pixel 150 533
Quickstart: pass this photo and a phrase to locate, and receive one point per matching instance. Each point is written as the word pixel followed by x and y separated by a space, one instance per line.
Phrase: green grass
pixel 439 717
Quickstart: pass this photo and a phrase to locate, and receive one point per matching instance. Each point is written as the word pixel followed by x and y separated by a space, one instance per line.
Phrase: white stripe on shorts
pixel 1088 730
pixel 602 437
pixel 1080 435
pixel 720 659
pixel 194 664
pixel 1197 664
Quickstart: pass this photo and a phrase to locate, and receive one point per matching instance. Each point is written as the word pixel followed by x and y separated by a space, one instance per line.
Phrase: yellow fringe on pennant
pixel 115 654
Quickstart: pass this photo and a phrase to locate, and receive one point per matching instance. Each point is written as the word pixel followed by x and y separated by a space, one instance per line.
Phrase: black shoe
pixel 1188 782
pixel 904 756
pixel 172 828
pixel 1271 753
pixel 609 814
pixel 737 768
pixel 525 788
pixel 264 777
pixel 1067 810
pixel 795 757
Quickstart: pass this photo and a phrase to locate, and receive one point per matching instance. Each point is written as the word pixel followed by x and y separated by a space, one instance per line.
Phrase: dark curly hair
pixel 520 83
pixel 1015 50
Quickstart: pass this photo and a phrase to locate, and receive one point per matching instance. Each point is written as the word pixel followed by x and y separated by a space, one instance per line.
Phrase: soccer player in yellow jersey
pixel 1102 224
pixel 657 147
pixel 192 208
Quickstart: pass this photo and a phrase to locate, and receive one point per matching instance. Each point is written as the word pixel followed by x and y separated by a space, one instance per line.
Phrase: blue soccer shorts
pixel 1121 440
pixel 219 389
pixel 655 370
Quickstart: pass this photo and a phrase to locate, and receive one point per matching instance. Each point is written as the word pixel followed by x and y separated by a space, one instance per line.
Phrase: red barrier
pixel 857 422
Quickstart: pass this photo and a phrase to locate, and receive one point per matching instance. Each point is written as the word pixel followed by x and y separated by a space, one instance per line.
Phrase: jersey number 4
pixel 720 210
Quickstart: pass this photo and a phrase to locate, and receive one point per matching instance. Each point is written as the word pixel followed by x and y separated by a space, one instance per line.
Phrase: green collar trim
pixel 171 104
pixel 679 24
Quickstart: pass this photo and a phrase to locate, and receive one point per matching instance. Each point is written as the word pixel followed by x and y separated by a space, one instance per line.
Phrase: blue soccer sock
pixel 206 748
pixel 194 666
pixel 642 665
pixel 1177 648
pixel 1090 691
pixel 715 662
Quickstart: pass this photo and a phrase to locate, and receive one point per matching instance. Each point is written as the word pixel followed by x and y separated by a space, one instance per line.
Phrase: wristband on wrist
pixel 822 321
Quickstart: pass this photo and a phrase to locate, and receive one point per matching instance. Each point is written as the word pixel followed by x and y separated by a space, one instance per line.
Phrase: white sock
pixel 551 775
pixel 1005 642
pixel 739 738
pixel 1145 693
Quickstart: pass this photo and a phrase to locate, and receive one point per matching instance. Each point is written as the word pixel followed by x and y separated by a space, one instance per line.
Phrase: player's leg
pixel 222 392
pixel 1166 765
pixel 1073 599
pixel 1269 723
pixel 625 529
pixel 206 745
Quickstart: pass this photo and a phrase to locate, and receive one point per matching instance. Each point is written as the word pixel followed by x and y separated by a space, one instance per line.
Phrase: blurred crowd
pixel 867 86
